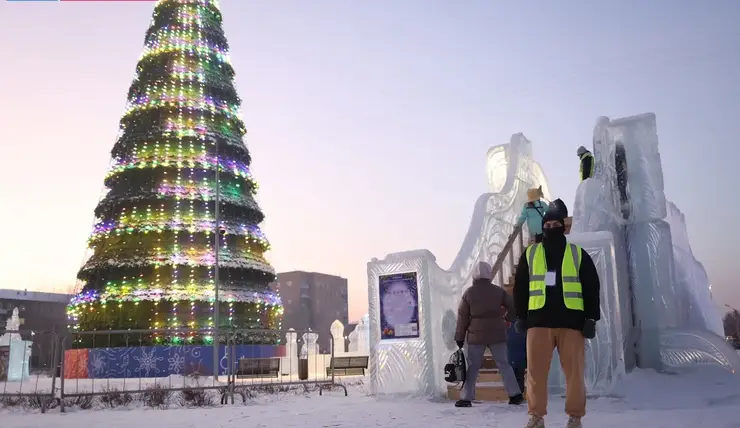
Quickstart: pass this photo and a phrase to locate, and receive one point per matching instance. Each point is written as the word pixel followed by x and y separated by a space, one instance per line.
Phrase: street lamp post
pixel 217 248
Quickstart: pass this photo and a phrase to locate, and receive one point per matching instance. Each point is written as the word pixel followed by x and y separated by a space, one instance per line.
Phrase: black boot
pixel 462 403
pixel 516 400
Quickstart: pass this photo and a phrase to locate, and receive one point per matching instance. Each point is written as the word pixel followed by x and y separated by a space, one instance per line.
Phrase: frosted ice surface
pixel 698 309
pixel 605 361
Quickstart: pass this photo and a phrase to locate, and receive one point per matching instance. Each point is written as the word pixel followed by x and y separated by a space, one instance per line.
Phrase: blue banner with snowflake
pixel 163 361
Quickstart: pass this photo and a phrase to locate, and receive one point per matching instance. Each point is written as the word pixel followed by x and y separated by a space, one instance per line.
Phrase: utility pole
pixel 217 248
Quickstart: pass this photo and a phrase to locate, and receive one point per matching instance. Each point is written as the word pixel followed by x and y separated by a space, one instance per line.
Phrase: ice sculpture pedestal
pixel 403 366
pixel 18 359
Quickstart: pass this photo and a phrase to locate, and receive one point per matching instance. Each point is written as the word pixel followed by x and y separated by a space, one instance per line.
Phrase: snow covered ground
pixel 706 397
pixel 43 384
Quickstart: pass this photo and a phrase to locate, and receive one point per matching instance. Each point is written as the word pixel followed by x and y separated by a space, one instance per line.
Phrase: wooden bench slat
pixel 348 366
pixel 258 367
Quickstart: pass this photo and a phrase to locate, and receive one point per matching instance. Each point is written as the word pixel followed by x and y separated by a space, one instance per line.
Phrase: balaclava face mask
pixel 554 233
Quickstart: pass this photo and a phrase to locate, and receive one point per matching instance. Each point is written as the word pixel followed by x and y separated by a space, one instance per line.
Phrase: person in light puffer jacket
pixel 532 213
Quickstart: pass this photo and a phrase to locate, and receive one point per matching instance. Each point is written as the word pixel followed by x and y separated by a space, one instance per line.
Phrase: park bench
pixel 258 368
pixel 348 366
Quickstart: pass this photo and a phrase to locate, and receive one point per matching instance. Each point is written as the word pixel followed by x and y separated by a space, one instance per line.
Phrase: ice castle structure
pixel 656 306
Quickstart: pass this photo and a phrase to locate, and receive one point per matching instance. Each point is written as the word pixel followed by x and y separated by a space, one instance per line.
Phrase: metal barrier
pixel 300 363
pixel 116 364
pixel 153 364
pixel 47 370
pixel 29 367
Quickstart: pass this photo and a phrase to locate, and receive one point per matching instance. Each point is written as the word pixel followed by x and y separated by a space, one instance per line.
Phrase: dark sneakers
pixel 516 400
pixel 462 403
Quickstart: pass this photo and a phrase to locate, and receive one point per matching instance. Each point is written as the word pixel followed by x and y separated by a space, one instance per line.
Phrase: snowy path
pixel 364 412
pixel 645 400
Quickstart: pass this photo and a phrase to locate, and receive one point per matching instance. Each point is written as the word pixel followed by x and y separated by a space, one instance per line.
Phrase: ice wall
pixel 597 208
pixel 414 366
pixel 673 321
pixel 697 310
pixel 605 364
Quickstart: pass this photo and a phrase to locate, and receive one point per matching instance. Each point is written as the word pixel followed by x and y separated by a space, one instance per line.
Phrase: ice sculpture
pixel 19 350
pixel 360 339
pixel 668 317
pixel 289 363
pixel 337 338
pixel 414 365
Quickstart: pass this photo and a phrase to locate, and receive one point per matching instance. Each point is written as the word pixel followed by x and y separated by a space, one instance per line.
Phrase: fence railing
pixel 511 253
pixel 29 363
pixel 154 365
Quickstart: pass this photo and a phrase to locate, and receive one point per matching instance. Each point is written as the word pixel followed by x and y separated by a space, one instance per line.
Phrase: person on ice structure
pixel 480 320
pixel 587 163
pixel 556 297
pixel 532 213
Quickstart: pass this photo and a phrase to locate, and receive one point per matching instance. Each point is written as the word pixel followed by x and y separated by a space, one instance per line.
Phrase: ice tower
pixel 672 321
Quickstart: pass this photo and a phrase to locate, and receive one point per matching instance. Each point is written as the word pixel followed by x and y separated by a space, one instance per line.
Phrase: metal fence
pixel 114 367
pixel 29 367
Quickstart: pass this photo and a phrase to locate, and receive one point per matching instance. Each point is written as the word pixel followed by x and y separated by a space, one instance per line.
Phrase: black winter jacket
pixel 555 314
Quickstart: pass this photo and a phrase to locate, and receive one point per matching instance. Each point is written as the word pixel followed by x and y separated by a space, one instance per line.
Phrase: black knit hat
pixel 551 215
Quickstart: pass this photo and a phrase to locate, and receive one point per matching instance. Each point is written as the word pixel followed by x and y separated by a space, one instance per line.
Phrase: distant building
pixel 43 318
pixel 312 300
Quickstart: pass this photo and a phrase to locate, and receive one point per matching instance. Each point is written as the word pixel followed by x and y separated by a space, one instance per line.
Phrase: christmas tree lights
pixel 153 259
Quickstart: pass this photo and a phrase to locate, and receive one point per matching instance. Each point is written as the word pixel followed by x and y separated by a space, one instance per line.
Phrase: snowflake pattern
pixel 148 363
pixel 176 363
pixel 124 366
pixel 97 363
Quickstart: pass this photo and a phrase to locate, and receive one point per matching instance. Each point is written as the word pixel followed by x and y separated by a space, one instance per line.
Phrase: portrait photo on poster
pixel 399 306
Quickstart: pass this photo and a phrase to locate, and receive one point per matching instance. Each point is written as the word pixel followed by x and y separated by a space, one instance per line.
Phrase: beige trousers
pixel 571 347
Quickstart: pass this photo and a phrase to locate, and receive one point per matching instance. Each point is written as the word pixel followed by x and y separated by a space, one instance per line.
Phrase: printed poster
pixel 399 306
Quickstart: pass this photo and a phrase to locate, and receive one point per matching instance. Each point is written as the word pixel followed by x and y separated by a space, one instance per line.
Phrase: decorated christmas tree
pixel 153 262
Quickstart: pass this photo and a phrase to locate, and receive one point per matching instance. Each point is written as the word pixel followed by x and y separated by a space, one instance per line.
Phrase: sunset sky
pixel 369 120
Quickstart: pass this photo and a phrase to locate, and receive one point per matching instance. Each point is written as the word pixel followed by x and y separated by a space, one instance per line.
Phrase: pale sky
pixel 369 120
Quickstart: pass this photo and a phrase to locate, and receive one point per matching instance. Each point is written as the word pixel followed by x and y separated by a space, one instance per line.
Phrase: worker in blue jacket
pixel 516 344
pixel 532 213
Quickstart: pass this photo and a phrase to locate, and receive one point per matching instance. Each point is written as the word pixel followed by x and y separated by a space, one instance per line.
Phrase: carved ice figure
pixel 360 341
pixel 337 336
pixel 289 364
pixel 13 324
pixel 353 341
pixel 19 350
pixel 309 347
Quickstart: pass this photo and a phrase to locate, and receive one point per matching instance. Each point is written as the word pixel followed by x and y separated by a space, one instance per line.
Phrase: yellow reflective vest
pixel 572 290
pixel 590 157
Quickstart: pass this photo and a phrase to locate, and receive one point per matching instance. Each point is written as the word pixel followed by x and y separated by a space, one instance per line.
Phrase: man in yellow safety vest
pixel 587 163
pixel 556 297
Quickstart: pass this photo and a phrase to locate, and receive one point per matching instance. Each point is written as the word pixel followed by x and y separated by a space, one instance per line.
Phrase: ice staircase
pixel 489 385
